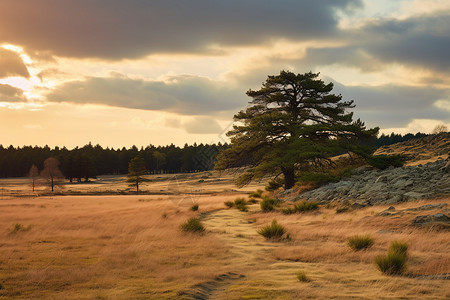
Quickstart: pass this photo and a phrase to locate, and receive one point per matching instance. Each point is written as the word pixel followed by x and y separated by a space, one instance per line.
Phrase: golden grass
pixel 131 247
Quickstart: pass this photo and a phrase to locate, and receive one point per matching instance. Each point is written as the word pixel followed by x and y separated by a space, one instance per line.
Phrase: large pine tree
pixel 293 122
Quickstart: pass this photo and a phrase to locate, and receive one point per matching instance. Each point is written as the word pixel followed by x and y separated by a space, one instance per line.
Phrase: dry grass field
pixel 99 246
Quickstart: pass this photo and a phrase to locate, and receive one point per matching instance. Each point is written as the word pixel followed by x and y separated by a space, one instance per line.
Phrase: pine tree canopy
pixel 292 121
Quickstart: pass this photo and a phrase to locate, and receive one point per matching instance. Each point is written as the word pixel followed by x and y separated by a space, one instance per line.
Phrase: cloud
pixel 202 125
pixel 11 64
pixel 184 94
pixel 9 93
pixel 116 29
pixel 419 41
pixel 394 106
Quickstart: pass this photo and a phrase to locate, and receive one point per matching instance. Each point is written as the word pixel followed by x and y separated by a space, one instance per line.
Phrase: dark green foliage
pixel 302 277
pixel 293 120
pixel 394 263
pixel 268 204
pixel 194 207
pixel 193 225
pixel 241 204
pixel 272 231
pixel 318 179
pixel 385 161
pixel 360 242
pixel 89 161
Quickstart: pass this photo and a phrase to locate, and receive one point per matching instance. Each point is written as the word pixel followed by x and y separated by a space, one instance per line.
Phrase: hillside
pixel 421 150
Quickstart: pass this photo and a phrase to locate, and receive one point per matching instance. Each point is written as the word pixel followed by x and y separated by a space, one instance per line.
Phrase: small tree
pixel 136 172
pixel 33 173
pixel 441 128
pixel 51 171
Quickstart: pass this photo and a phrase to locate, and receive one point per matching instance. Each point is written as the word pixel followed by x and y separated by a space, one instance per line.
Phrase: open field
pixel 131 247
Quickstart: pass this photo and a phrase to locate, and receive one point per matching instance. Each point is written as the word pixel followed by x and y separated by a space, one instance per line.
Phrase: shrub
pixel 194 207
pixel 288 210
pixel 302 277
pixel 359 242
pixel 306 206
pixel 193 225
pixel 252 201
pixel 229 204
pixel 394 263
pixel 385 161
pixel 241 204
pixel 272 231
pixel 256 194
pixel 399 248
pixel 267 204
pixel 391 264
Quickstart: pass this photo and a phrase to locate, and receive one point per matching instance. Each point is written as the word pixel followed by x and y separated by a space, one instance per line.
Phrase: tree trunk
pixel 52 182
pixel 289 178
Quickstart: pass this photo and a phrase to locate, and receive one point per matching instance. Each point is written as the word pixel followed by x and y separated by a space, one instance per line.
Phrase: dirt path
pixel 250 256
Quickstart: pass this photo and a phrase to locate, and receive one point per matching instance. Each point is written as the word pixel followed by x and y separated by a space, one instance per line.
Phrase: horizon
pixel 138 73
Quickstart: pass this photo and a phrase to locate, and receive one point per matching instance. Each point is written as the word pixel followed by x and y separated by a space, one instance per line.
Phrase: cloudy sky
pixel 122 73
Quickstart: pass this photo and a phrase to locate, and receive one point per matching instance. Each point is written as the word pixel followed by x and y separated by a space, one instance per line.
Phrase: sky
pixel 121 73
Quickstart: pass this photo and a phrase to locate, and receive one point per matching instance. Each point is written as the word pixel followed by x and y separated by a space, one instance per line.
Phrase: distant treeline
pixel 89 161
pixel 393 138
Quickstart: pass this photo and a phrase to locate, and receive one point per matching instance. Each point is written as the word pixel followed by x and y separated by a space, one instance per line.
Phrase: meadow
pixel 86 242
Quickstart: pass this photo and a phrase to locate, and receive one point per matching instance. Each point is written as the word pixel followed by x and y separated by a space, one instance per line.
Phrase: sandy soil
pixel 131 247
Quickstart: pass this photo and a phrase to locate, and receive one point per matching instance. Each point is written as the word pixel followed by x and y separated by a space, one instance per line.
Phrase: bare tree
pixel 51 171
pixel 33 173
pixel 441 128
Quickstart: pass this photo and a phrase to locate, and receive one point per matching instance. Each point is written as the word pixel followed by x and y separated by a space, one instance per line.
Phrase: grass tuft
pixel 241 204
pixel 193 225
pixel 360 242
pixel 268 204
pixel 302 277
pixel 19 227
pixel 272 231
pixel 194 207
pixel 394 263
pixel 256 194
pixel 305 206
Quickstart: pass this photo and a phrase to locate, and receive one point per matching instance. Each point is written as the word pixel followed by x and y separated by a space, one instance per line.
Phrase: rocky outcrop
pixel 368 186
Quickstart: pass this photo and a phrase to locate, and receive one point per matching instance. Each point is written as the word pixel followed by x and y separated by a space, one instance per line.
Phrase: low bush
pixel 399 248
pixel 360 242
pixel 302 277
pixel 241 204
pixel 385 161
pixel 229 204
pixel 394 263
pixel 268 204
pixel 272 231
pixel 256 194
pixel 193 225
pixel 305 206
pixel 194 207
